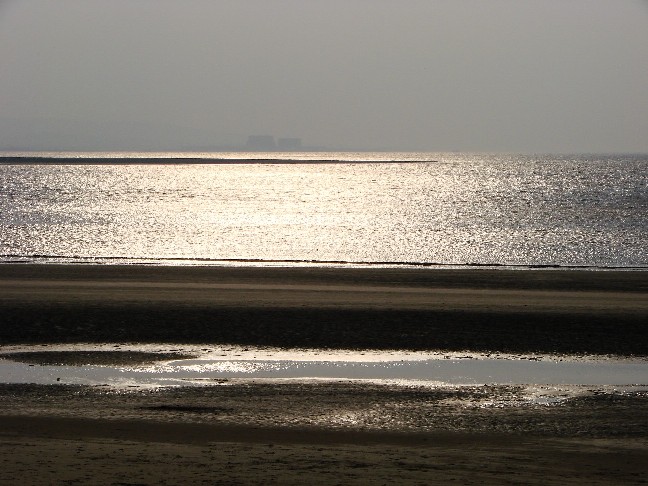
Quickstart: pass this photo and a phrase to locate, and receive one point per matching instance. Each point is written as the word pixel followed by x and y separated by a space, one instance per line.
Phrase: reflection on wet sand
pixel 541 380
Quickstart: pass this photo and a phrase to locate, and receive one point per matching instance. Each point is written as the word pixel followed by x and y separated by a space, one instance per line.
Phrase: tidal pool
pixel 217 366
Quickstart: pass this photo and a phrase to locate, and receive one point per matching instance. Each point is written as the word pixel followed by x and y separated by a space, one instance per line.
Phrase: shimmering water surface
pixel 431 370
pixel 542 380
pixel 451 209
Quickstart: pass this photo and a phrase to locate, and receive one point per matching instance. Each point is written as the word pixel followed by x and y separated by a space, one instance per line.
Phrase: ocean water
pixel 366 208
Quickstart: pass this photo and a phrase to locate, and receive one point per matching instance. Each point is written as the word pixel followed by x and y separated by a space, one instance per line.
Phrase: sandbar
pixel 542 311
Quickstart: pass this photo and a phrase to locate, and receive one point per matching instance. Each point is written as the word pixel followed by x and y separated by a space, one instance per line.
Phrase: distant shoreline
pixel 185 161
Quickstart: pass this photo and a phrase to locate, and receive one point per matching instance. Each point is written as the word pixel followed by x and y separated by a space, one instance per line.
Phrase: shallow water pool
pixel 213 366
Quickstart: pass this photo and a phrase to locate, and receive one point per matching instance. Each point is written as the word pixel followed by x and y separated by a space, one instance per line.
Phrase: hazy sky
pixel 465 75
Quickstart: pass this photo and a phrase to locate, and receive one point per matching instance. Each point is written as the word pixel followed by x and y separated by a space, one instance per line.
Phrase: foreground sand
pixel 254 432
pixel 335 433
pixel 106 460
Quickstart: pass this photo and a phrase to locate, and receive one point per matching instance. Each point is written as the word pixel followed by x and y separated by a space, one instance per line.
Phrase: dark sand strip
pixel 96 358
pixel 188 433
pixel 418 309
pixel 43 461
pixel 476 278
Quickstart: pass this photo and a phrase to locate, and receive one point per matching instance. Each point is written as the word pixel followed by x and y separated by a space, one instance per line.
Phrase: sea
pixel 325 208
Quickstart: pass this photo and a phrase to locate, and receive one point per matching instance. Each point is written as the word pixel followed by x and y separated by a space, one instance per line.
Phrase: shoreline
pixel 298 263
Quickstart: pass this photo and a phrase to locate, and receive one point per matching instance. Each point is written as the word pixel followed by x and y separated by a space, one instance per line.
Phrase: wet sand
pixel 548 311
pixel 259 432
pixel 491 460
pixel 323 433
pixel 92 357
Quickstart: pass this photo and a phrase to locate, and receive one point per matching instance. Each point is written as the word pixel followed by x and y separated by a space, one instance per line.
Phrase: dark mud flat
pixel 344 406
pixel 81 358
pixel 540 311
pixel 253 433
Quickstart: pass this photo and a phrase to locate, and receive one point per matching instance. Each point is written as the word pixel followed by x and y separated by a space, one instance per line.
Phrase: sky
pixel 559 76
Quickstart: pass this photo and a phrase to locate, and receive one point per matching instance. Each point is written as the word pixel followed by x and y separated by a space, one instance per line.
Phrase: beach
pixel 323 243
pixel 325 432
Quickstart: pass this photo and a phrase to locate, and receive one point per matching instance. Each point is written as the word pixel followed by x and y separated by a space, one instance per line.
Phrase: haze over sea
pixel 367 208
